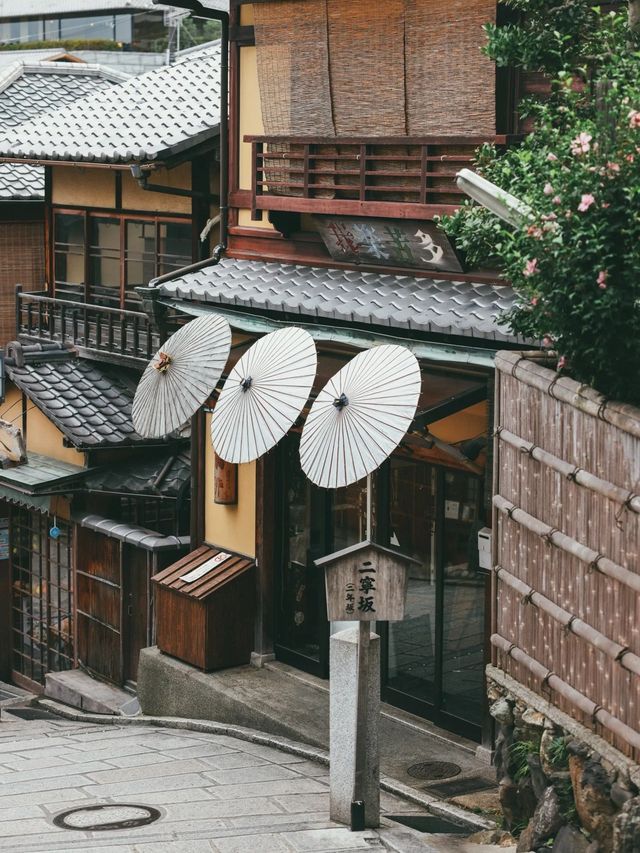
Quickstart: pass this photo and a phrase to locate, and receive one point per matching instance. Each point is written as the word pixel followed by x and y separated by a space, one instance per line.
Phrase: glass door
pixel 434 659
pixel 314 522
pixel 302 634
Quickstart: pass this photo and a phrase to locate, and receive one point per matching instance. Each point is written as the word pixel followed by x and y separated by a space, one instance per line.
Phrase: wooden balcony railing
pixel 109 334
pixel 398 177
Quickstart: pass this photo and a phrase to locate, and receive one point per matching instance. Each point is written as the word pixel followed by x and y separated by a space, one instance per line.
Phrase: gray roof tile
pixel 166 475
pixel 146 118
pixel 91 405
pixel 421 305
pixel 27 90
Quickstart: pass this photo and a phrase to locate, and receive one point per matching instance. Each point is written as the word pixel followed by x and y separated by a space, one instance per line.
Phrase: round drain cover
pixel 433 770
pixel 106 817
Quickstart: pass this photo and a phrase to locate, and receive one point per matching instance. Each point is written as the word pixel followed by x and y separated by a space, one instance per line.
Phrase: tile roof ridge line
pixel 12 73
pixel 74 69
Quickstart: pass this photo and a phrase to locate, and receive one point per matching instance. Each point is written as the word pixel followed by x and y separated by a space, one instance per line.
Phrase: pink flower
pixel 556 199
pixel 548 217
pixel 534 301
pixel 531 268
pixel 581 144
pixel 547 341
pixel 630 158
pixel 613 167
pixel 534 231
pixel 548 189
pixel 602 279
pixel 634 118
pixel 585 202
pixel 551 157
pixel 562 363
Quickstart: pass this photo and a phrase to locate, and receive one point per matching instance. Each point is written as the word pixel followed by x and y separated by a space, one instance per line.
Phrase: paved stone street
pixel 214 793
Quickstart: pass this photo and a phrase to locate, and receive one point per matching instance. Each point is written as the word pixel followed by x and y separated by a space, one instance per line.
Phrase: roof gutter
pixel 431 351
pixel 201 11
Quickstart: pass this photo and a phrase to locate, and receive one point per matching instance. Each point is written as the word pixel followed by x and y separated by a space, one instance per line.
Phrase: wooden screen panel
pixel 366 65
pixel 99 604
pixel 293 67
pixel 450 83
pixel 99 648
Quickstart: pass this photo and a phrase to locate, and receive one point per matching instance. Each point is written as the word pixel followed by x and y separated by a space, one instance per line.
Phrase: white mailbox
pixel 484 548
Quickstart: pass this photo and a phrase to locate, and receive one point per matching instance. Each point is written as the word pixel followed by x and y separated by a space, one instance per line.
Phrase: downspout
pixel 214 15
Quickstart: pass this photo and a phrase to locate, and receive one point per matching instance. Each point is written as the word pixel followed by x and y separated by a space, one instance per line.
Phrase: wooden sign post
pixel 364 583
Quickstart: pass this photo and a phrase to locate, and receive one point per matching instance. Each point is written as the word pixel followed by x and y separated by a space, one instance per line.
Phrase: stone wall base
pixel 562 788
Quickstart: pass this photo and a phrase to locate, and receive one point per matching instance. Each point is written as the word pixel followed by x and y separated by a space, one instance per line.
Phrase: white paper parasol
pixel 181 376
pixel 360 416
pixel 263 395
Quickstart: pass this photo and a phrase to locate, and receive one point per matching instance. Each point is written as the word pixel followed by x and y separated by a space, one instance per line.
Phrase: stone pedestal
pixel 342 723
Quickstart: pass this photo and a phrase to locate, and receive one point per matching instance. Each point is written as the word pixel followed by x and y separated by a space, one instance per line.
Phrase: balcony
pixel 106 334
pixel 395 177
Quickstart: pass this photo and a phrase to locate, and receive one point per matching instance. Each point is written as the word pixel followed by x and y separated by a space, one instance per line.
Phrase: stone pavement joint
pixel 256 741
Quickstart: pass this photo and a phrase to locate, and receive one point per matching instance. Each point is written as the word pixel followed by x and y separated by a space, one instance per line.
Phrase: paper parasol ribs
pixel 263 395
pixel 360 416
pixel 181 376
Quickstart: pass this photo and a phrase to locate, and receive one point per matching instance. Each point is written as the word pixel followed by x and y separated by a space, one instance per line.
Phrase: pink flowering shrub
pixel 575 263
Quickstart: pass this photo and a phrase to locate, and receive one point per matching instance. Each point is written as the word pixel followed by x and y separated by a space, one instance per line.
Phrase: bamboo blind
pixel 293 67
pixel 21 262
pixel 366 66
pixel 415 67
pixel 450 83
pixel 567 529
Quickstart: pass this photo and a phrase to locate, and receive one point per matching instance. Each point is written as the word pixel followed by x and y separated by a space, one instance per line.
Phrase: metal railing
pixel 387 176
pixel 113 334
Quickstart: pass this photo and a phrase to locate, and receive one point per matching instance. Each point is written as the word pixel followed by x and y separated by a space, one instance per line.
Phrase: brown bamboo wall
pixel 21 262
pixel 603 440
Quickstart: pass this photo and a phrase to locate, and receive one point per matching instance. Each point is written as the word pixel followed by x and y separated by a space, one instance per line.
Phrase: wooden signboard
pixel 391 243
pixel 365 583
pixel 225 482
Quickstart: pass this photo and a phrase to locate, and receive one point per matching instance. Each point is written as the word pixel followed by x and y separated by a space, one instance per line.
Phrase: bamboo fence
pixel 566 620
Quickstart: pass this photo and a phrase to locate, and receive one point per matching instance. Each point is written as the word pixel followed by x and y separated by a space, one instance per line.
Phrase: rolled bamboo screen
pixel 366 67
pixel 357 68
pixel 567 528
pixel 450 82
pixel 293 67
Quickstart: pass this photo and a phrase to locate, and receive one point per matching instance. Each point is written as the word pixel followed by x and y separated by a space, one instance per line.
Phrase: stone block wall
pixel 561 787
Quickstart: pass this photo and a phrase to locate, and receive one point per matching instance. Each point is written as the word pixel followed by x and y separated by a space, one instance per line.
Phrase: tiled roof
pixel 165 475
pixel 18 181
pixel 90 405
pixel 47 8
pixel 26 90
pixel 153 116
pixel 393 301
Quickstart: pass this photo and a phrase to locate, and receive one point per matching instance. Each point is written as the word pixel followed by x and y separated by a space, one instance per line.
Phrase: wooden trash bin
pixel 205 608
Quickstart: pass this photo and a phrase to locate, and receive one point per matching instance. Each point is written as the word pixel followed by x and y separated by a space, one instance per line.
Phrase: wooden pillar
pixel 266 539
pixel 198 430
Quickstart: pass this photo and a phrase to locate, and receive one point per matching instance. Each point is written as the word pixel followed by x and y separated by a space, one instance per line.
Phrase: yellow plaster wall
pixel 247 18
pixel 42 436
pixel 75 186
pixel 232 527
pixel 135 198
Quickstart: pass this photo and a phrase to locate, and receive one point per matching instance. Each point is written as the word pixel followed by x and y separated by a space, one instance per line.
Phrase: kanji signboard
pixel 366 582
pixel 392 243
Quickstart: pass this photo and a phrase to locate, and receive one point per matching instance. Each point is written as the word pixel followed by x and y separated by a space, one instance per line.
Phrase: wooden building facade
pixel 347 126
pixel 95 510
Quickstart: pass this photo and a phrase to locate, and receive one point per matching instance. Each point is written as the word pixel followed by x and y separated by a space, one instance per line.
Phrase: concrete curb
pixel 391 786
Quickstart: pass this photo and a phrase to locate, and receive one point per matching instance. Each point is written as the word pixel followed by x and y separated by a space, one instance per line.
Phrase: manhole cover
pixel 97 818
pixel 433 770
